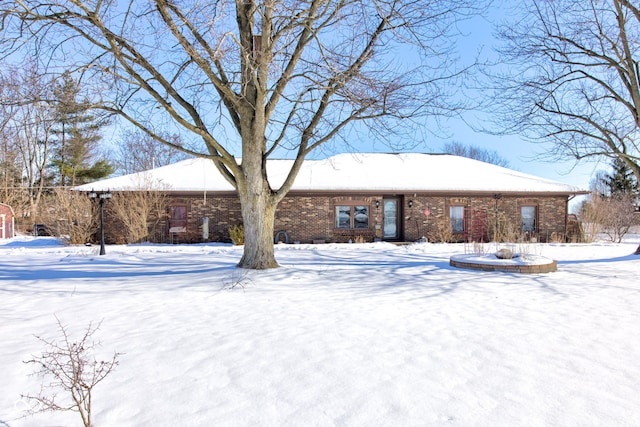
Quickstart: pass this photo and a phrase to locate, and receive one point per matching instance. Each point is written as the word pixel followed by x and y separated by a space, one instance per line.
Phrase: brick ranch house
pixel 360 197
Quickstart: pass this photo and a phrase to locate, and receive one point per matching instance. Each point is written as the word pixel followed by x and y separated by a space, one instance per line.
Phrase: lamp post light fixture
pixel 496 196
pixel 101 196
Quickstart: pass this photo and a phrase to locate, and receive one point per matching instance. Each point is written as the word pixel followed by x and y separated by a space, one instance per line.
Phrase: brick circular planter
pixel 526 264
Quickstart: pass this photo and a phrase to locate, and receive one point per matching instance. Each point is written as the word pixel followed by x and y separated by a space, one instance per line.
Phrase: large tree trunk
pixel 257 200
pixel 258 215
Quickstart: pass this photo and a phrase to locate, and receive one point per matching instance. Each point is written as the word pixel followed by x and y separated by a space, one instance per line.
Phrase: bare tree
pixel 611 203
pixel 598 184
pixel 10 168
pixel 476 153
pixel 573 78
pixel 619 216
pixel 613 216
pixel 253 77
pixel 138 151
pixel 25 131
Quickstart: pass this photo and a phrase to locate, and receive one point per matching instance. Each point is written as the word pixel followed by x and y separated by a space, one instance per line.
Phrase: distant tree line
pixel 52 138
pixel 473 152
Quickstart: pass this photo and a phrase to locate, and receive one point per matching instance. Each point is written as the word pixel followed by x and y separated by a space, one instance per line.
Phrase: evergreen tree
pixel 621 182
pixel 77 135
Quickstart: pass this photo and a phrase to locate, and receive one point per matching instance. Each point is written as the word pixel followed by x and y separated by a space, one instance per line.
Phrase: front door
pixel 391 216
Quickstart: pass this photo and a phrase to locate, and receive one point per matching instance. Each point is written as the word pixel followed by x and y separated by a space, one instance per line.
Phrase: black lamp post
pixel 101 196
pixel 497 197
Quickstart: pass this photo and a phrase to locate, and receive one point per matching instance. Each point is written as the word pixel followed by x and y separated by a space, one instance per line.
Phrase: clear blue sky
pixel 521 154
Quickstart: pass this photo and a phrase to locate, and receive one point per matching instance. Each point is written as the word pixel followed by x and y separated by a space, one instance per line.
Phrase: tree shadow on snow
pixel 89 275
pixel 630 257
pixel 412 274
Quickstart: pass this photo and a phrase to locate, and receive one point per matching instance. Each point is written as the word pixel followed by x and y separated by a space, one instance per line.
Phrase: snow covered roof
pixel 413 172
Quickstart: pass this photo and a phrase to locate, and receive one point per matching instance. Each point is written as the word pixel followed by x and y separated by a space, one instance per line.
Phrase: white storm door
pixel 390 223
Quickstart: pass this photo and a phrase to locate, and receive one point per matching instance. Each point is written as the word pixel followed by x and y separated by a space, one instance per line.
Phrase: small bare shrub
pixel 442 230
pixel 359 239
pixel 139 212
pixel 502 229
pixel 69 366
pixel 479 248
pixel 140 209
pixel 530 249
pixel 69 214
pixel 591 231
pixel 575 231
pixel 619 216
pixel 558 237
pixel 238 279
pixel 236 233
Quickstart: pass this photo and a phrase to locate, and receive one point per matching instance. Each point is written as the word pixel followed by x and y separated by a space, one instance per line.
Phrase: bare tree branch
pixel 574 78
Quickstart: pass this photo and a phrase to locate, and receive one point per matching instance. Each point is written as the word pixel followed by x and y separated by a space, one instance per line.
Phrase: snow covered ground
pixel 341 335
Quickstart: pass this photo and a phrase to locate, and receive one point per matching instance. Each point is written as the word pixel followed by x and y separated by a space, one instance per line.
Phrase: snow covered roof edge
pixel 350 172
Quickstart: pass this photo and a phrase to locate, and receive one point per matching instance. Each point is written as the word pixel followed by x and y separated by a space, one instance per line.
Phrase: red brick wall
pixel 550 221
pixel 307 218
